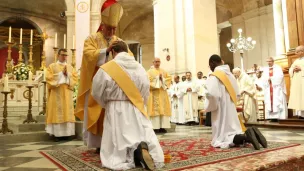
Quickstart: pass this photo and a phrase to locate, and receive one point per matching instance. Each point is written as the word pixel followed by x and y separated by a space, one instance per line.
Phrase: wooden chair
pixel 240 109
pixel 261 106
pixel 202 116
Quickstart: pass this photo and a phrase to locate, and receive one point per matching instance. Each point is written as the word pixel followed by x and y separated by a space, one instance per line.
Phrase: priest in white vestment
pixel 176 102
pixel 126 128
pixel 296 72
pixel 190 92
pixel 226 127
pixel 274 91
pixel 248 94
pixel 200 81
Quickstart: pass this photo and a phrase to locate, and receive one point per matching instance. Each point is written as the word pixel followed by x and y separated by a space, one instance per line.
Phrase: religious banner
pixel 82 27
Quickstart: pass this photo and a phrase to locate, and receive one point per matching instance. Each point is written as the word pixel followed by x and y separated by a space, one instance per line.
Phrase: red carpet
pixel 186 153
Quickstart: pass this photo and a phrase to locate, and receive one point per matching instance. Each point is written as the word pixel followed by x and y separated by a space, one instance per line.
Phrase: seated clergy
pixel 221 97
pixel 61 79
pixel 122 87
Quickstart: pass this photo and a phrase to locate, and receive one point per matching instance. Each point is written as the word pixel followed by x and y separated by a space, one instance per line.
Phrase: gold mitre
pixel 111 13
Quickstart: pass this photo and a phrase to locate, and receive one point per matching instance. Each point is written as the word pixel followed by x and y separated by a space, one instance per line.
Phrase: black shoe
pixel 97 151
pixel 250 135
pixel 162 130
pixel 136 159
pixel 143 157
pixel 260 137
pixel 56 139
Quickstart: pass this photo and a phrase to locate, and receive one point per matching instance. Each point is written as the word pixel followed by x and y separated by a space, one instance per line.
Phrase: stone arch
pixel 26 19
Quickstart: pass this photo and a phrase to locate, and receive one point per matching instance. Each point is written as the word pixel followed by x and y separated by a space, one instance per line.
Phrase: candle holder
pixel 5 128
pixel 43 112
pixel 9 57
pixel 44 37
pixel 55 53
pixel 73 58
pixel 29 118
pixel 20 60
pixel 31 59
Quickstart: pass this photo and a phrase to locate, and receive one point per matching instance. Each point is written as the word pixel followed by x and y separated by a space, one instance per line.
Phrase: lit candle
pixel 30 78
pixel 31 43
pixel 44 74
pixel 10 35
pixel 64 41
pixel 5 83
pixel 21 36
pixel 73 41
pixel 56 40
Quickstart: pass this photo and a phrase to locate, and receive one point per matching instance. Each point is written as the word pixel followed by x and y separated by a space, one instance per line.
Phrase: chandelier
pixel 240 44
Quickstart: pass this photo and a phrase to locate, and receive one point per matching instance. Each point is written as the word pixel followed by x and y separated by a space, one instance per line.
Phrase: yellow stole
pixel 224 79
pixel 123 80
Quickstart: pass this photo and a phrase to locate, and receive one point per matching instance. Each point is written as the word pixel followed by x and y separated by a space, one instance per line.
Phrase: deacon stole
pixel 225 80
pixel 271 88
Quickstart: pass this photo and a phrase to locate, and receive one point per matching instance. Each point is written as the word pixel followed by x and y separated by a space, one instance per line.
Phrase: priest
pixel 159 108
pixel 61 79
pixel 176 102
pixel 296 72
pixel 248 94
pixel 122 87
pixel 221 97
pixel 200 81
pixel 274 92
pixel 190 100
pixel 95 53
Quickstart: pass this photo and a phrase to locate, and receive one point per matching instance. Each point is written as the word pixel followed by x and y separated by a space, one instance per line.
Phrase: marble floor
pixel 26 156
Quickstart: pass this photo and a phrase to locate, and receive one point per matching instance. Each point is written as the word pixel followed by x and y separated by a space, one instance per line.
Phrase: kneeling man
pixel 122 86
pixel 221 97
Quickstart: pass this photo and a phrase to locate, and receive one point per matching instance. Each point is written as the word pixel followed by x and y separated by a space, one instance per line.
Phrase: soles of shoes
pixel 252 138
pixel 260 137
pixel 145 158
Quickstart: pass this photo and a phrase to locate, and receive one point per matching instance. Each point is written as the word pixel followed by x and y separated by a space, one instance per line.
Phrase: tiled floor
pixel 26 156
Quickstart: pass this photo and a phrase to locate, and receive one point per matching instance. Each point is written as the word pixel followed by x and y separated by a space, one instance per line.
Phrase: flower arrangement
pixel 21 71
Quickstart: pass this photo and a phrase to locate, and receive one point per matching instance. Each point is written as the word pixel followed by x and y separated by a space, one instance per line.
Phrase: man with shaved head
pixel 159 108
pixel 296 72
pixel 274 91
pixel 247 92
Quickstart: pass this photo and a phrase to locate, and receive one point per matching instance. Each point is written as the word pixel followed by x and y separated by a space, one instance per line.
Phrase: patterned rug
pixel 186 153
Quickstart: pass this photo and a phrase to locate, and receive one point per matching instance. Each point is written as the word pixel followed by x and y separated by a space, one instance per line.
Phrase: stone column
pixel 278 29
pixel 70 17
pixel 219 40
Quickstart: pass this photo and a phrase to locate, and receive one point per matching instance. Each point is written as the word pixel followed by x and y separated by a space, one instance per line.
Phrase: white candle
pixel 73 41
pixel 56 40
pixel 21 36
pixel 64 41
pixel 10 35
pixel 30 78
pixel 5 83
pixel 31 43
pixel 44 74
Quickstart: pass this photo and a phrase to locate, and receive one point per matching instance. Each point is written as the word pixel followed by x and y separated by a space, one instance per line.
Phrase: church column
pixel 279 29
pixel 70 18
pixel 219 30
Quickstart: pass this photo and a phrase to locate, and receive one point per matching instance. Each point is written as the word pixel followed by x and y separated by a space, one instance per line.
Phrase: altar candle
pixel 73 41
pixel 64 41
pixel 21 36
pixel 56 40
pixel 5 83
pixel 31 43
pixel 30 78
pixel 10 35
pixel 44 74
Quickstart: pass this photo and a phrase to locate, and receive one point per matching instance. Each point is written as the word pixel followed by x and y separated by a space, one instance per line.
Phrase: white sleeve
pixel 98 86
pixel 102 58
pixel 212 94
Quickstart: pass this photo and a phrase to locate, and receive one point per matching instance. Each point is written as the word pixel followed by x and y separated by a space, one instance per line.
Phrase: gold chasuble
pixel 225 80
pixel 60 107
pixel 123 80
pixel 92 46
pixel 158 103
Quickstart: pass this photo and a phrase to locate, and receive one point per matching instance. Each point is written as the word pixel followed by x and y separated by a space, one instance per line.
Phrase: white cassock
pixel 296 100
pixel 246 84
pixel 224 118
pixel 124 125
pixel 91 140
pixel 177 103
pixel 260 97
pixel 190 101
pixel 275 106
pixel 201 83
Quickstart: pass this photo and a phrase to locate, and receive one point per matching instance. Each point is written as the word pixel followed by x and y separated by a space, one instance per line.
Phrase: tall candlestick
pixel 21 36
pixel 30 78
pixel 64 41
pixel 73 41
pixel 44 74
pixel 10 35
pixel 5 83
pixel 56 40
pixel 31 43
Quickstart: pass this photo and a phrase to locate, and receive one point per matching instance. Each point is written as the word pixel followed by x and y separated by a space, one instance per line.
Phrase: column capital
pixel 224 25
pixel 154 2
pixel 70 15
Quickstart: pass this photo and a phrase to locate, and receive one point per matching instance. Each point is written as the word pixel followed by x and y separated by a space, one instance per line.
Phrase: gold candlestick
pixel 29 117
pixel 20 60
pixel 31 59
pixel 43 112
pixel 9 57
pixel 5 128
pixel 73 58
pixel 44 37
pixel 55 54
